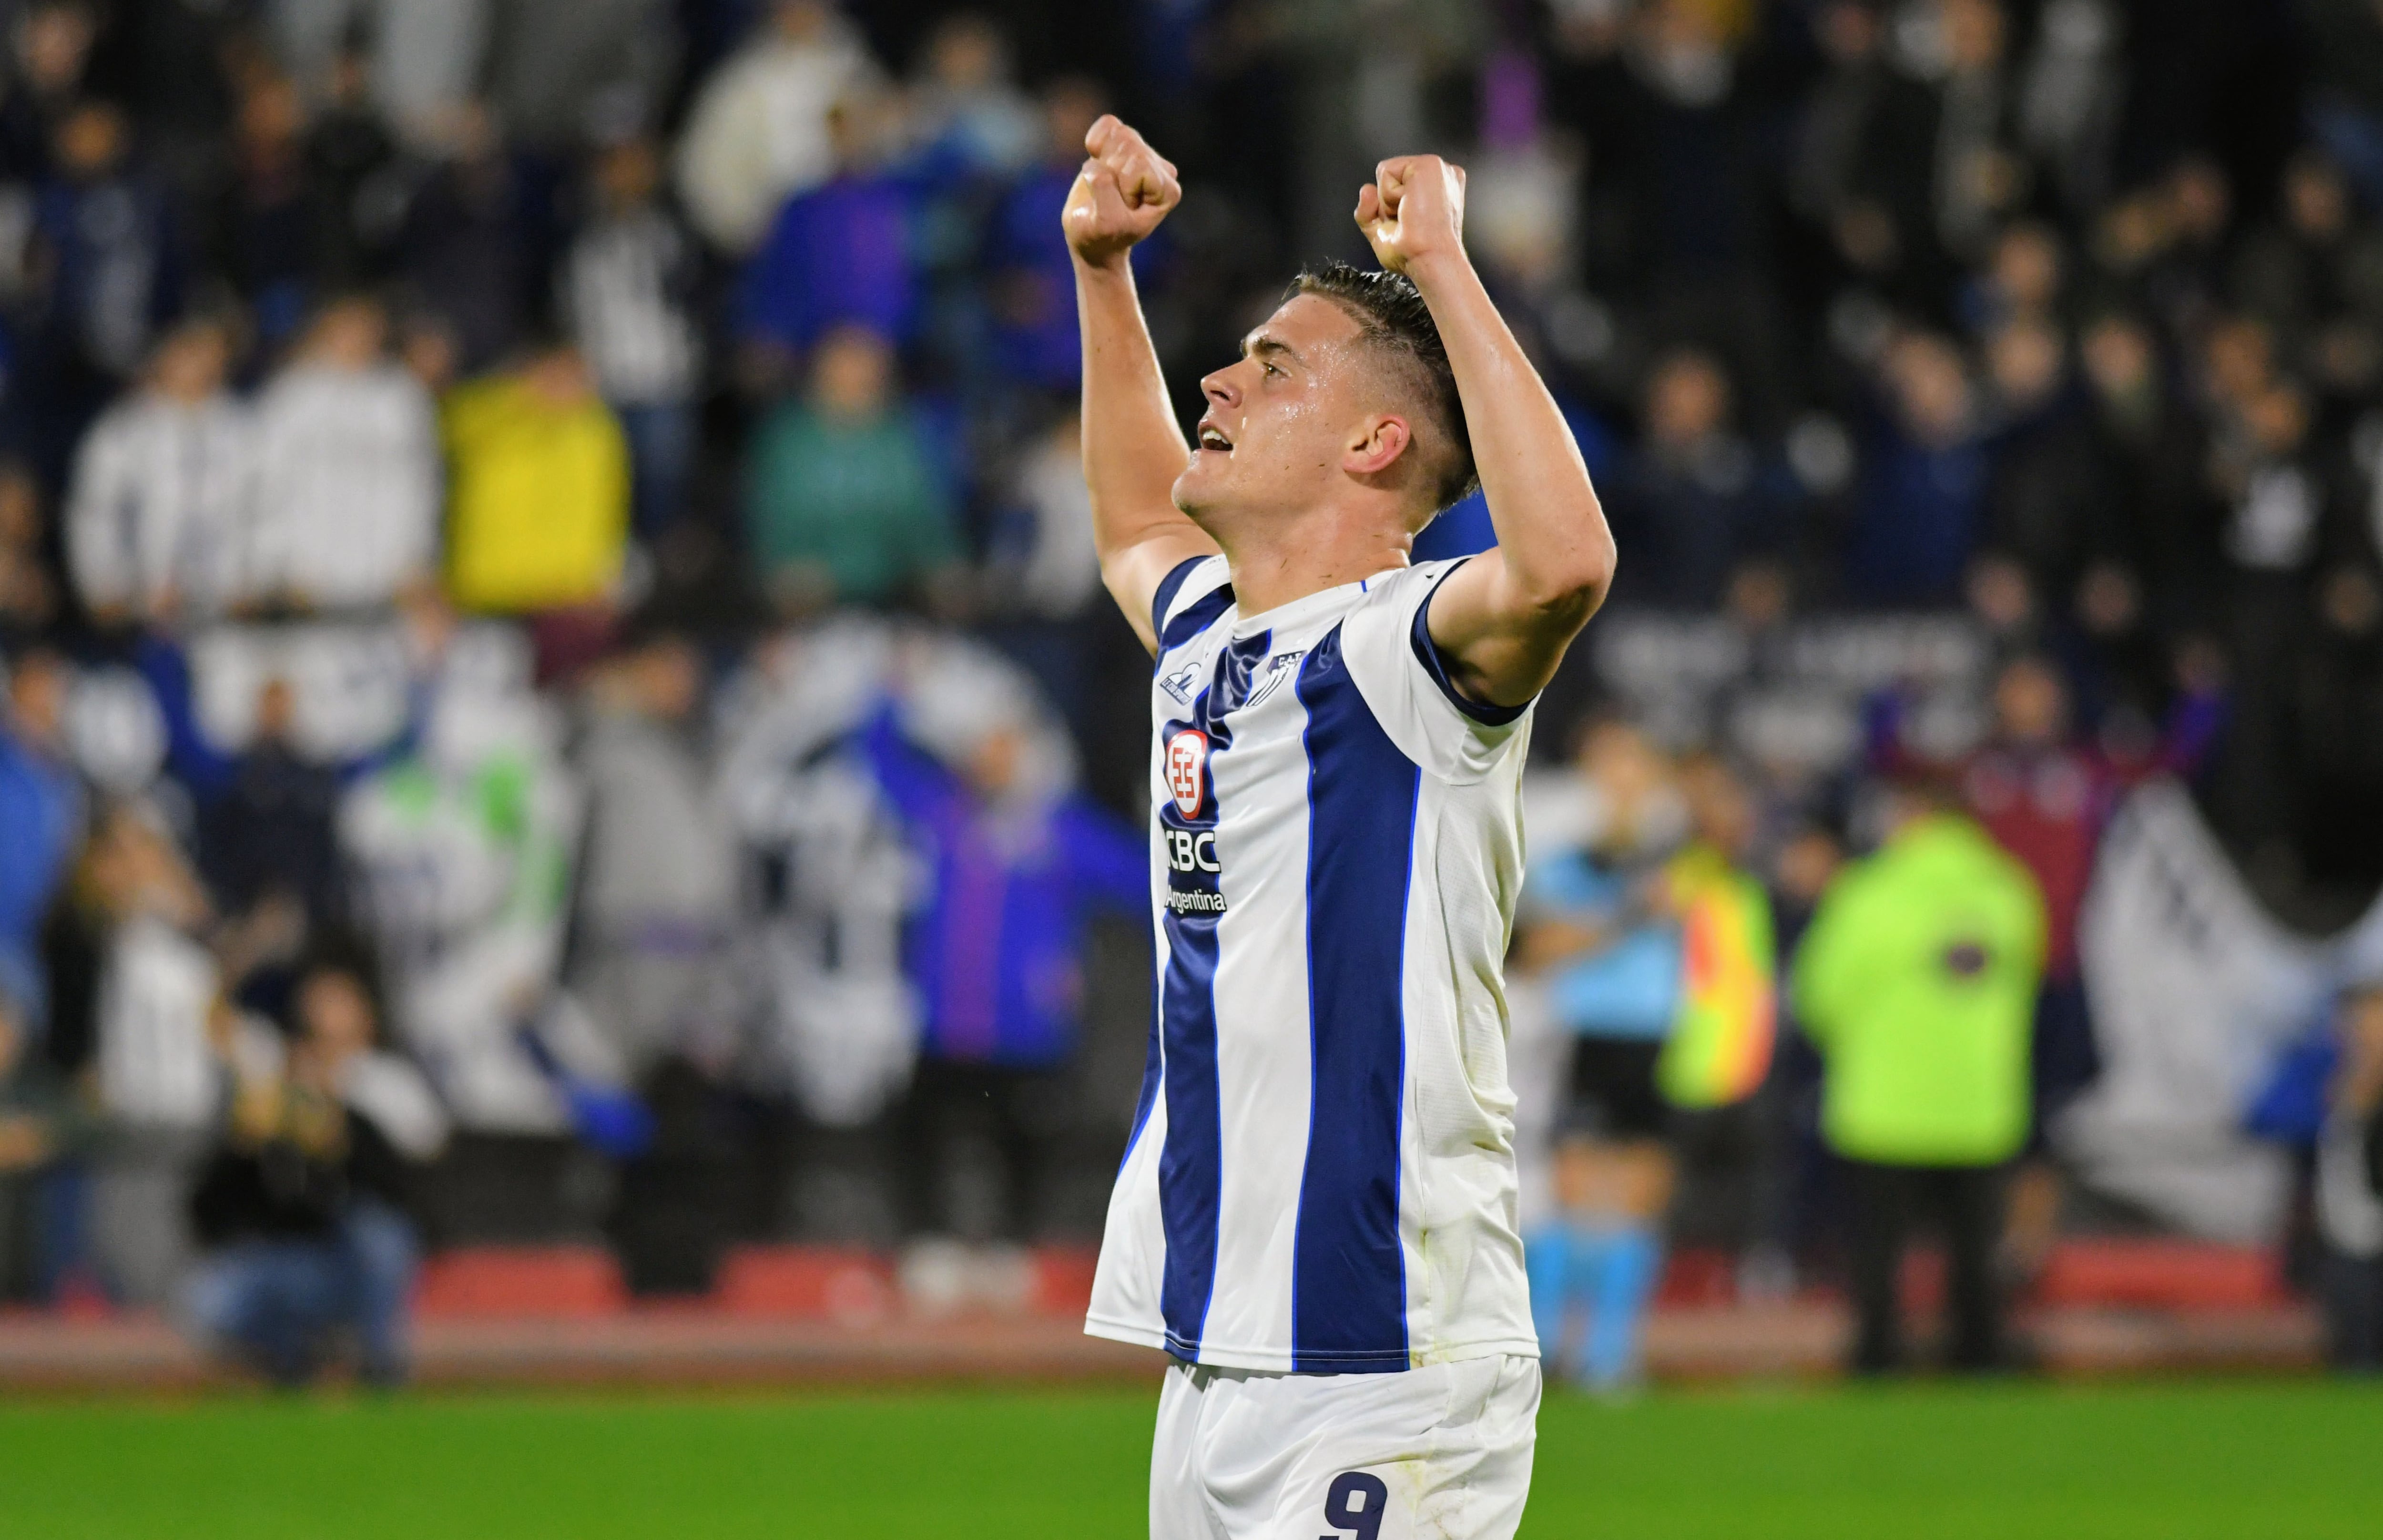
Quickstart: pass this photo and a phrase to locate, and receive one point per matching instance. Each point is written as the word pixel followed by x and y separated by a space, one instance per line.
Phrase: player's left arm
pixel 1503 620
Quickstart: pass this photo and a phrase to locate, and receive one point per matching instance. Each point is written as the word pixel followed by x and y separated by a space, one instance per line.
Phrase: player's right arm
pixel 1133 449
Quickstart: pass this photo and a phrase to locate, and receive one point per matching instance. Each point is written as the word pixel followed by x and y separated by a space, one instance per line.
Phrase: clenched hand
pixel 1414 210
pixel 1126 189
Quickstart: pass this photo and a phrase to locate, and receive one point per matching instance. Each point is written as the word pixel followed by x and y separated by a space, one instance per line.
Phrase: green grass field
pixel 2230 1462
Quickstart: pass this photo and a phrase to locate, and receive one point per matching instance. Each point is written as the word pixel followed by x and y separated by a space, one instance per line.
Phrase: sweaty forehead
pixel 1308 325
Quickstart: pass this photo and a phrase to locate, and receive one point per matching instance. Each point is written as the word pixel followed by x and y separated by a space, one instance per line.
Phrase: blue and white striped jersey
pixel 1322 1173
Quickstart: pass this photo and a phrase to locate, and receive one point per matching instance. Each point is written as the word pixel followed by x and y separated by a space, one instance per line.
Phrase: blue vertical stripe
pixel 1192 1163
pixel 1348 1285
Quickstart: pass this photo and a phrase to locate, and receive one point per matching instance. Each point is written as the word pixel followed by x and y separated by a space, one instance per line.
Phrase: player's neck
pixel 1285 564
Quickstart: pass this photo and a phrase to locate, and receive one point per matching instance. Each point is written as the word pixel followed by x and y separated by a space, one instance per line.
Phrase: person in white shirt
pixel 1045 559
pixel 162 485
pixel 628 289
pixel 346 514
pixel 1315 1216
pixel 757 133
pixel 153 1079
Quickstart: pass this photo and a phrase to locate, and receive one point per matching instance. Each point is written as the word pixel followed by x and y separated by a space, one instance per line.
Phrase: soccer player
pixel 1315 1216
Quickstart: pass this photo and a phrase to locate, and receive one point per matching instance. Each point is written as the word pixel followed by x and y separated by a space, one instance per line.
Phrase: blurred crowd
pixel 558 684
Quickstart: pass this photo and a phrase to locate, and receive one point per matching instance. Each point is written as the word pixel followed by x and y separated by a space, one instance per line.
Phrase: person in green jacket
pixel 1916 982
pixel 843 502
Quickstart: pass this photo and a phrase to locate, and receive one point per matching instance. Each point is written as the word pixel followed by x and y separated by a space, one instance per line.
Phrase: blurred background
pixel 564 756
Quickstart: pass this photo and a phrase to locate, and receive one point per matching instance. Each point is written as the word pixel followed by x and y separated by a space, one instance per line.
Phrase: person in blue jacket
pixel 1015 860
pixel 40 820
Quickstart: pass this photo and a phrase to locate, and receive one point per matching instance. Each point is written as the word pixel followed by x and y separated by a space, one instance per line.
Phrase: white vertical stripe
pixel 1458 1200
pixel 1264 1076
pixel 1133 1247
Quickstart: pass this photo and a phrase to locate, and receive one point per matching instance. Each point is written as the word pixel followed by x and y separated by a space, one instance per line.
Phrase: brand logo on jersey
pixel 1180 681
pixel 1187 769
pixel 1191 849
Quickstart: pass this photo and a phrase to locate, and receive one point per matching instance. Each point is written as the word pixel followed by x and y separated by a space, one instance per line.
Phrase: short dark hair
pixel 1391 314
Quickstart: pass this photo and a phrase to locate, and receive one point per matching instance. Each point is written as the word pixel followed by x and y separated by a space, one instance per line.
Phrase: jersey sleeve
pixel 1189 600
pixel 1391 657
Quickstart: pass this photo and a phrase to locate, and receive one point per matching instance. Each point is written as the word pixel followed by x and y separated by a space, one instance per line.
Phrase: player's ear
pixel 1376 444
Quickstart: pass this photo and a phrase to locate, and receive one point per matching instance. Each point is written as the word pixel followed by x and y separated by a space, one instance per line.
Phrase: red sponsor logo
pixel 1187 768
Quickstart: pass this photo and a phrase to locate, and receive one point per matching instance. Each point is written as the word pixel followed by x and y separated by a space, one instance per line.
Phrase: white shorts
pixel 1439 1452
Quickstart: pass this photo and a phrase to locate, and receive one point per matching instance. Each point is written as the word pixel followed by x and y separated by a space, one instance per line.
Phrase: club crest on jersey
pixel 1278 669
pixel 1187 769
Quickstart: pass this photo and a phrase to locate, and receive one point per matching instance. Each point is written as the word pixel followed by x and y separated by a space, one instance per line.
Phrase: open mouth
pixel 1213 438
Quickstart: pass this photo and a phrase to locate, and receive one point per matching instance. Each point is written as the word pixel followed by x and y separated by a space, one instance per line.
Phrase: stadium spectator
pixel 468 247
pixel 155 991
pixel 1041 561
pixel 1042 578
pixel 162 490
pixel 2278 505
pixel 1029 285
pixel 838 1033
pixel 2151 522
pixel 2310 276
pixel 50 43
pixel 2024 280
pixel 29 586
pixel 1917 980
pixel 303 1207
pixel 2338 725
pixel 966 112
pixel 1939 159
pixel 115 249
pixel 40 1122
pixel 2167 243
pixel 352 160
pixel 984 780
pixel 41 805
pixel 264 216
pixel 2350 1189
pixel 266 844
pixel 538 489
pixel 2044 472
pixel 1673 123
pixel 1697 496
pixel 838 254
pixel 629 288
pixel 1849 37
pixel 842 498
pixel 114 265
pixel 758 132
pixel 658 895
pixel 348 479
pixel 2346 108
pixel 1922 508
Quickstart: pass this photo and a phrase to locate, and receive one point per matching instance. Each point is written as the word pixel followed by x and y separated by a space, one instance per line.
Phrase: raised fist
pixel 1126 189
pixel 1413 209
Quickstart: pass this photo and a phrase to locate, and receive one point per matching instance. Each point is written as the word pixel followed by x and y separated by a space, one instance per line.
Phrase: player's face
pixel 1278 420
